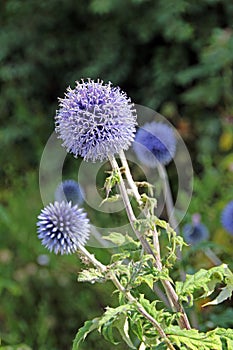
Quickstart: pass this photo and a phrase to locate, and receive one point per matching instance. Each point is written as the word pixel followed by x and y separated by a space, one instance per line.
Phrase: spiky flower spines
pixel 62 227
pixel 95 120
pixel 155 143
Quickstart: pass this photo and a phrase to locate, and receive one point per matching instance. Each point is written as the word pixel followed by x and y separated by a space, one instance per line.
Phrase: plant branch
pixel 128 295
pixel 128 208
pixel 171 294
pixel 168 197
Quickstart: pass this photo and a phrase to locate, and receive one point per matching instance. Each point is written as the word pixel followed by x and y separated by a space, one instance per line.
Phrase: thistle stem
pixel 212 257
pixel 127 294
pixel 168 197
pixel 128 207
pixel 129 177
pixel 170 210
pixel 171 294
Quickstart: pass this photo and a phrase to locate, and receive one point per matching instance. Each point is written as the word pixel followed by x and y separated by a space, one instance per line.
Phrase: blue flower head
pixel 227 217
pixel 70 191
pixel 95 120
pixel 155 143
pixel 195 232
pixel 62 227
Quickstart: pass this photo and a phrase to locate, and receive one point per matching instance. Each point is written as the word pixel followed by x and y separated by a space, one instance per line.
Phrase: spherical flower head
pixel 62 227
pixel 95 120
pixel 155 143
pixel 69 191
pixel 227 217
pixel 195 232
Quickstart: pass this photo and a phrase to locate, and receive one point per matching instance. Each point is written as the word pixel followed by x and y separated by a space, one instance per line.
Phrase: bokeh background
pixel 175 57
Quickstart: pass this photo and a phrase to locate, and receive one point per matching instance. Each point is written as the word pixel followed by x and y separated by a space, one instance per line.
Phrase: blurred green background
pixel 175 57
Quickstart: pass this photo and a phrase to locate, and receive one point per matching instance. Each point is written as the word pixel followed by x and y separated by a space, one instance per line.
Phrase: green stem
pixel 212 256
pixel 171 294
pixel 170 210
pixel 128 295
pixel 168 197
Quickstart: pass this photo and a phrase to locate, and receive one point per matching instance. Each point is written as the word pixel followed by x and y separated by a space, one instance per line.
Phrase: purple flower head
pixel 227 217
pixel 69 191
pixel 155 143
pixel 195 232
pixel 95 120
pixel 62 227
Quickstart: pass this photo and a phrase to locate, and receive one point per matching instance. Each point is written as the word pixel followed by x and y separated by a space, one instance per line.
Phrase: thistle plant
pixel 69 191
pixel 98 122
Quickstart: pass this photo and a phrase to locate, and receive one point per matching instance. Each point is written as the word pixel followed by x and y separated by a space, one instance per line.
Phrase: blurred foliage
pixel 173 56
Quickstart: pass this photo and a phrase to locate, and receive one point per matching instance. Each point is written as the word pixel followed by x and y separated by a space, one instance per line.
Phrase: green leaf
pixel 113 313
pixel 193 340
pixel 88 327
pixel 225 293
pixel 92 275
pixel 116 237
pixel 224 334
pixel 114 198
pixel 206 281
pixel 111 181
pixel 120 239
pixel 148 279
pixel 116 318
pixel 122 324
pixel 107 331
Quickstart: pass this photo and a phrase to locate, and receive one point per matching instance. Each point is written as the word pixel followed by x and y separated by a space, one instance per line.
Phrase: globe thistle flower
pixel 227 217
pixel 62 227
pixel 95 120
pixel 69 191
pixel 195 232
pixel 155 143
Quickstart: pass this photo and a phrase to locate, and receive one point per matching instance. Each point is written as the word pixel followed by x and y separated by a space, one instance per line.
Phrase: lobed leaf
pixel 92 275
pixel 206 281
pixel 87 328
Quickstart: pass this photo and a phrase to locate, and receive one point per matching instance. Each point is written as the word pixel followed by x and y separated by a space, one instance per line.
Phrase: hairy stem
pixel 171 294
pixel 168 197
pixel 129 177
pixel 128 207
pixel 170 210
pixel 212 256
pixel 128 295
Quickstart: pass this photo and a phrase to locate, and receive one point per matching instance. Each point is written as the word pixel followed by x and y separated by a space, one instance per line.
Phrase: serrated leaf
pixel 148 279
pixel 116 318
pixel 193 339
pixel 116 238
pixel 107 331
pixel 161 223
pixel 225 294
pixel 226 335
pixel 122 324
pixel 205 280
pixel 111 181
pixel 91 275
pixel 112 199
pixel 112 313
pixel 88 327
pixel 136 325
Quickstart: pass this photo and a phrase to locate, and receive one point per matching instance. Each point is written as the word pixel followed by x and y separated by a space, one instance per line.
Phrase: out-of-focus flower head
pixel 227 217
pixel 95 120
pixel 69 191
pixel 155 143
pixel 62 227
pixel 195 232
